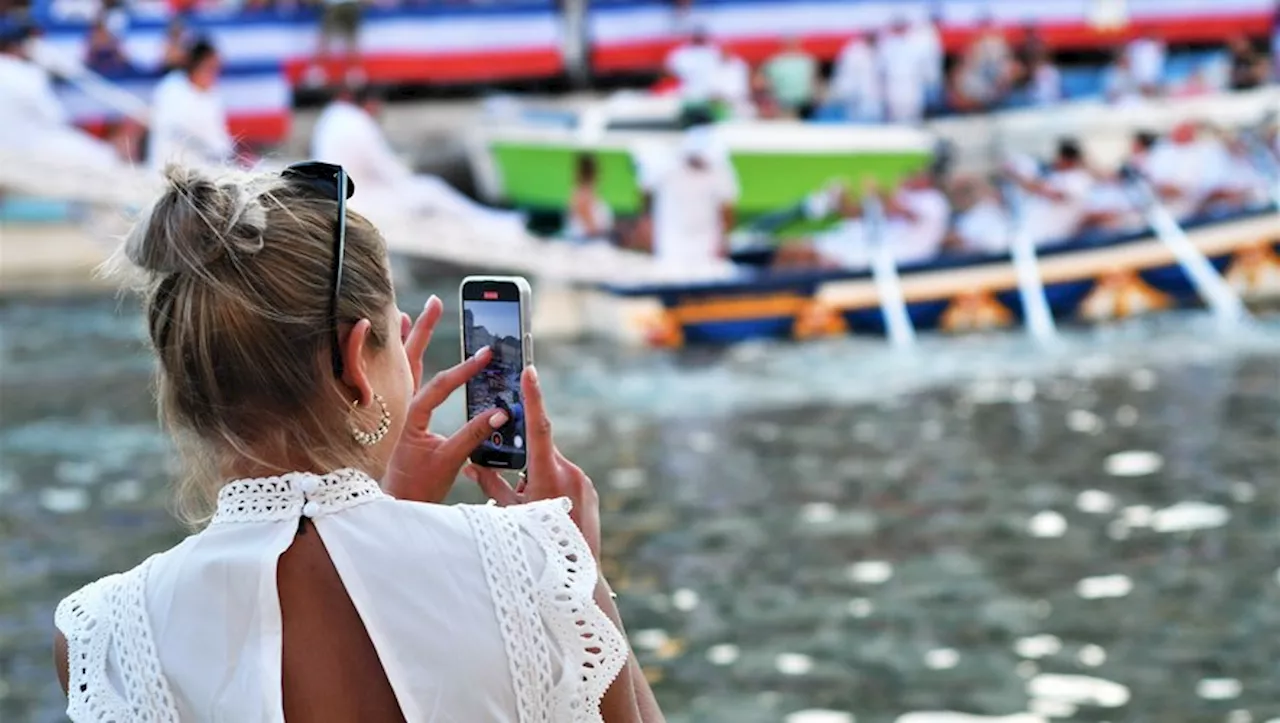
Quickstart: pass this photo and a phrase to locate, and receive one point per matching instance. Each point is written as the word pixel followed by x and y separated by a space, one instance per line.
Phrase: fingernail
pixel 471 473
pixel 533 374
pixel 498 419
pixel 481 351
pixel 430 299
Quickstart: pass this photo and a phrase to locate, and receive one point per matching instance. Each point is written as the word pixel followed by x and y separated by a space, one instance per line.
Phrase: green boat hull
pixel 539 177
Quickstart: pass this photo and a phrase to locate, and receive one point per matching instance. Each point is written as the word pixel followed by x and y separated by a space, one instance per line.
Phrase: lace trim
pixel 595 650
pixel 511 584
pixel 106 627
pixel 275 499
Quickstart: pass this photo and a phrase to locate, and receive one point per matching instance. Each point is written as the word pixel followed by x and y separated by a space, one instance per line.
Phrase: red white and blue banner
pixel 635 35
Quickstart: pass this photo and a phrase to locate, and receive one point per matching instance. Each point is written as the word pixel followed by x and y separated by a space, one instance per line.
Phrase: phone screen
pixel 491 317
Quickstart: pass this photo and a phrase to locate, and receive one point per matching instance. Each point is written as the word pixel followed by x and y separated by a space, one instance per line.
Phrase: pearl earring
pixel 368 439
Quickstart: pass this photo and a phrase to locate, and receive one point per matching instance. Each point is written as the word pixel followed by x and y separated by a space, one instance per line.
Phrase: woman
pixel 329 583
pixel 590 218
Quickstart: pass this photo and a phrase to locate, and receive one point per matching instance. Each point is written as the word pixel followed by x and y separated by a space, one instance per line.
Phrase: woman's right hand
pixel 549 475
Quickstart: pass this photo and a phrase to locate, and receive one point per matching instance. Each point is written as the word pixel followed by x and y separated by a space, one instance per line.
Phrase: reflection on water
pixel 813 534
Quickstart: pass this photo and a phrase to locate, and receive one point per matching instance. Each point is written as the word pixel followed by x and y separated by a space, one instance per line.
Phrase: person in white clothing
pixel 347 133
pixel 690 199
pixel 698 66
pixel 733 86
pixel 1057 203
pixel 32 116
pixel 1146 55
pixel 328 581
pixel 1119 83
pixel 855 81
pixel 188 119
pixel 1181 169
pixel 982 225
pixel 904 73
pixel 927 37
pixel 588 217
pixel 915 228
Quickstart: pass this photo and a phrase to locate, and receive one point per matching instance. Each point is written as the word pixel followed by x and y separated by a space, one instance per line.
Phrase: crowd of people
pixel 1193 171
pixel 902 73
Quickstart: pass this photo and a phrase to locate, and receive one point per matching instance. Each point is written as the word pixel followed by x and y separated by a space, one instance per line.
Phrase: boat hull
pixel 1084 280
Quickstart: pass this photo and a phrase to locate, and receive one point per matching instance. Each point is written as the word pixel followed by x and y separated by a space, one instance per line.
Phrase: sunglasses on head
pixel 325 180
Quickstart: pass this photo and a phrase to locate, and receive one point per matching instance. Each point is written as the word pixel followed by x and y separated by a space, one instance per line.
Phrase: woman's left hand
pixel 425 464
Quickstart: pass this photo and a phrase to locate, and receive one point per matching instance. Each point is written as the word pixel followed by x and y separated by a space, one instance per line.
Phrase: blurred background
pixel 925 354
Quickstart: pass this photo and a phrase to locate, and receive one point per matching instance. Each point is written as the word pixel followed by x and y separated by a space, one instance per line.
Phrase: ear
pixel 355 373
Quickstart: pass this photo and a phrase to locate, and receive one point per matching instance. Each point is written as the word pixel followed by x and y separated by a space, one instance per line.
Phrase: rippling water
pixel 799 533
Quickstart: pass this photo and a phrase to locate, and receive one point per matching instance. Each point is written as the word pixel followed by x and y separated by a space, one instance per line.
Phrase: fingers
pixel 458 447
pixel 542 448
pixel 492 484
pixel 415 345
pixel 434 392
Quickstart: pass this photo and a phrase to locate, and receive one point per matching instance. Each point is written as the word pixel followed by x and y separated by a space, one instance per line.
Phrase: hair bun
pixel 199 220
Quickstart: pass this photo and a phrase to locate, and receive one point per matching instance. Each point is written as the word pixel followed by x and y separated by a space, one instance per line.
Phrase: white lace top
pixel 448 594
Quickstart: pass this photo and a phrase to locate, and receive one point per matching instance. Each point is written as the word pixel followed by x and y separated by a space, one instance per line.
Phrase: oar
pixel 1035 305
pixel 1210 285
pixel 92 84
pixel 884 270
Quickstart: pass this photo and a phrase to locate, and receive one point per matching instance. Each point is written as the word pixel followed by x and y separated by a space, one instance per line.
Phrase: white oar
pixel 884 269
pixel 1035 306
pixel 1210 285
pixel 90 83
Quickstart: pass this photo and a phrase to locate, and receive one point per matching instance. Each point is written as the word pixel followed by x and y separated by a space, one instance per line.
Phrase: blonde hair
pixel 237 300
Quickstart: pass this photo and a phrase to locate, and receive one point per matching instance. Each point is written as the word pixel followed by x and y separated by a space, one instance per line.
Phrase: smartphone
pixel 495 313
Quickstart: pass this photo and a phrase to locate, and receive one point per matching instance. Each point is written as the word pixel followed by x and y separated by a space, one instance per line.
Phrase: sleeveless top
pixel 450 597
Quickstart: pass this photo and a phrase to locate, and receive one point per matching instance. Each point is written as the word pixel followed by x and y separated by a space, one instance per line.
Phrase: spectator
pixel 103 53
pixel 1146 55
pixel 764 105
pixel 855 82
pixel 589 217
pixel 1044 81
pixel 971 90
pixel 1119 84
pixel 347 133
pixel 1057 203
pixel 1032 47
pixel 174 54
pixel 341 22
pixel 792 76
pixel 991 58
pixel 1248 66
pixel 733 86
pixel 904 74
pixel 927 37
pixel 698 66
pixel 691 203
pixel 188 119
pixel 1199 83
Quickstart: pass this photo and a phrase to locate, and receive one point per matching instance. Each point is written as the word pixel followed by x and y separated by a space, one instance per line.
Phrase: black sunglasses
pixel 324 179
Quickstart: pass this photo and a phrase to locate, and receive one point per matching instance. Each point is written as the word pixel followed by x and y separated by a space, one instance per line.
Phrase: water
pixel 809 534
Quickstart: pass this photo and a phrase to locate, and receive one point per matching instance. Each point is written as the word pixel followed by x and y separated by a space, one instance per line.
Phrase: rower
pixel 1057 202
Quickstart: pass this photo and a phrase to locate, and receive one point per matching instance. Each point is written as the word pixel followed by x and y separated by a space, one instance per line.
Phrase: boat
pixel 1088 279
pixel 525 157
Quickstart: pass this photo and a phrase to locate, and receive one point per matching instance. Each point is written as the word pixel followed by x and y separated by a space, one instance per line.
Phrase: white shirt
pixel 477 613
pixel 984 227
pixel 347 135
pixel 187 124
pixel 733 83
pixel 1046 85
pixel 855 81
pixel 1188 167
pixel 903 70
pixel 698 69
pixel 1146 58
pixel 918 240
pixel 1050 220
pixel 688 219
pixel 928 44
